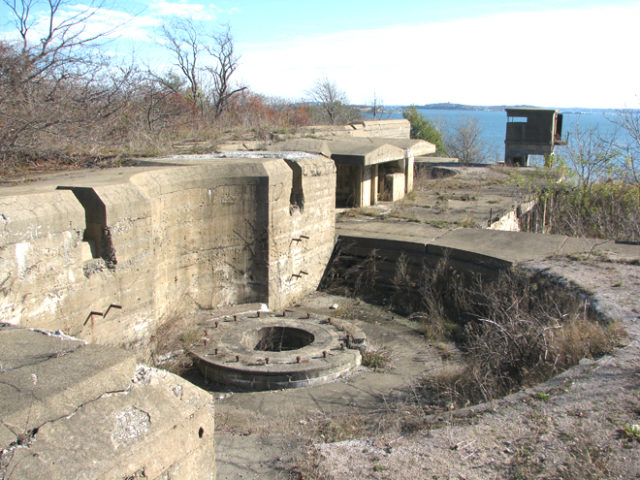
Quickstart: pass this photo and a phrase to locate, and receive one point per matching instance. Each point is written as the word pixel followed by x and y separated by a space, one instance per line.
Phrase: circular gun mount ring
pixel 265 351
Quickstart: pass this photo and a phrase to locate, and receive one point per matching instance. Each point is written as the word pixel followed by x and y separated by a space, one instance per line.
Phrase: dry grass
pixel 377 359
pixel 170 342
pixel 601 210
pixel 514 332
pixel 515 329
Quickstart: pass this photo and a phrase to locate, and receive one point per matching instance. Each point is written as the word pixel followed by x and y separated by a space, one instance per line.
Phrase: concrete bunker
pixel 265 351
pixel 367 169
pixel 531 131
pixel 176 254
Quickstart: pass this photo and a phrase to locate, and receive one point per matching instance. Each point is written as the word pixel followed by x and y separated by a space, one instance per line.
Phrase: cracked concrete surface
pixel 69 410
pixel 45 378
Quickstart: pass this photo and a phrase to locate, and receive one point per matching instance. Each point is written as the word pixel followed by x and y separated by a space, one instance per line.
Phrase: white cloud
pixel 193 11
pixel 132 28
pixel 557 58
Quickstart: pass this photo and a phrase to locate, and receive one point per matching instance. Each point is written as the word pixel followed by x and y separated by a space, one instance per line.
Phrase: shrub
pixel 602 210
pixel 376 359
pixel 423 129
pixel 515 332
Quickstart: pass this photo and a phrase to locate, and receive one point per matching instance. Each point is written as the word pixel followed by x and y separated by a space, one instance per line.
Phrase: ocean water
pixel 493 125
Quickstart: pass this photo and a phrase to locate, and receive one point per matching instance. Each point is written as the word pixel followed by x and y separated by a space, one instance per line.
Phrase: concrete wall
pixel 182 238
pixel 301 234
pixel 390 272
pixel 395 186
pixel 370 128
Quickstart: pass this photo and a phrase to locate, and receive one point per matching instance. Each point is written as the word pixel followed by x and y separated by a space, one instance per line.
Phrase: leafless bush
pixel 63 102
pixel 515 331
pixel 515 328
pixel 600 194
pixel 601 210
pixel 54 89
pixel 590 155
pixel 465 142
pixel 629 121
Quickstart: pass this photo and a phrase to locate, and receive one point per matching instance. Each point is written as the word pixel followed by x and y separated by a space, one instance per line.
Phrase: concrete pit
pixel 267 351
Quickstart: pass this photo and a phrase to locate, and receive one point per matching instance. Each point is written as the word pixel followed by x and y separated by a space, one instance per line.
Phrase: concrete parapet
pixel 111 259
pixel 19 221
pixel 386 259
pixel 382 265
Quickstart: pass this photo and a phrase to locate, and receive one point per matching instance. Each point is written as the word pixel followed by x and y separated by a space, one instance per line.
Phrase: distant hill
pixel 500 108
pixel 459 106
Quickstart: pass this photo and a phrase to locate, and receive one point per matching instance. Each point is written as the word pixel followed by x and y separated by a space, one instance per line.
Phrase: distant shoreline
pixel 493 108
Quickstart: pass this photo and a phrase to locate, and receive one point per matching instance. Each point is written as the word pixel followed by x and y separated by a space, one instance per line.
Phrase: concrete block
pixel 70 410
pixel 394 186
pixel 46 377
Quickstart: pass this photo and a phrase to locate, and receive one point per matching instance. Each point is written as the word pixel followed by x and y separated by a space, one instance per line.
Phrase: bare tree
pixel 465 142
pixel 629 121
pixel 331 102
pixel 206 62
pixel 64 43
pixel 52 80
pixel 227 63
pixel 590 155
pixel 184 43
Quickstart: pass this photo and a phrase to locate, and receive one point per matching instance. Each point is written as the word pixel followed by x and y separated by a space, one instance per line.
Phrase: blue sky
pixel 561 53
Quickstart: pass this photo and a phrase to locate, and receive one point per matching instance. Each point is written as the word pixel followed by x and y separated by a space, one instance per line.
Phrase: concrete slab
pixel 513 247
pixel 22 347
pixel 404 231
pixel 482 245
pixel 149 429
pixel 436 160
pixel 99 177
pixel 310 145
pixel 54 377
pixel 69 410
pixel 363 151
pixel 412 146
pixel 399 128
